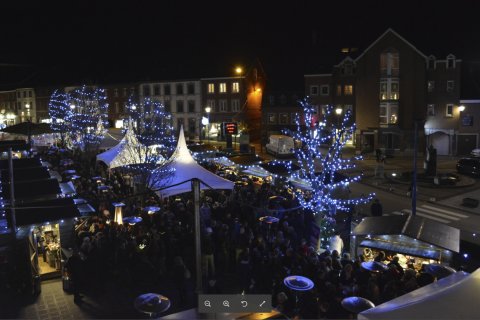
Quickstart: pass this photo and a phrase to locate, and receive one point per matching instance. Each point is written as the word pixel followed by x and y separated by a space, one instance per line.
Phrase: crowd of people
pixel 240 253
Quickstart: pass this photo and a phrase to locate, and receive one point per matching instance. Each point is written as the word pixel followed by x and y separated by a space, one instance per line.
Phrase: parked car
pixel 475 152
pixel 469 166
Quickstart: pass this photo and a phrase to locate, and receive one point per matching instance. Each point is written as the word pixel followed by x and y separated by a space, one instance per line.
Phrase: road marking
pixel 426 216
pixel 446 211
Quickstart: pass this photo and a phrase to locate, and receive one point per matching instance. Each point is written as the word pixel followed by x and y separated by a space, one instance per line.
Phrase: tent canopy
pixel 128 151
pixel 185 168
pixel 453 297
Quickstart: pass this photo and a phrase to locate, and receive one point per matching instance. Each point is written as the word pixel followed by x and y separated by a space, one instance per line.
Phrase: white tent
pixel 128 151
pixel 185 169
pixel 453 297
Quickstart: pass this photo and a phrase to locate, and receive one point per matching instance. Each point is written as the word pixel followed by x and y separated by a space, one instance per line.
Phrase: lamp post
pixel 207 110
pixel 338 112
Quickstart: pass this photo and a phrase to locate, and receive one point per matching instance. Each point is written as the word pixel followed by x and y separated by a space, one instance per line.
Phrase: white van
pixel 280 146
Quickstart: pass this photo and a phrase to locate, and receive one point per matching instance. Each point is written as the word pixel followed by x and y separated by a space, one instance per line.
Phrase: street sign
pixel 230 128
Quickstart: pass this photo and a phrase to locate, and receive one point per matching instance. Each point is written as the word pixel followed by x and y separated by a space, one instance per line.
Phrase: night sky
pixel 101 41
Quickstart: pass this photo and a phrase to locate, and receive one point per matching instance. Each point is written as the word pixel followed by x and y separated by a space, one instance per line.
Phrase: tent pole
pixel 198 253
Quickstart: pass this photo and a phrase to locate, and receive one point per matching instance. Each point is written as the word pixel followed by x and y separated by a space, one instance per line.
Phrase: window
pixel 115 93
pixel 272 118
pixel 389 63
pixel 132 90
pixel 293 118
pixel 235 105
pixel 211 104
pixel 166 90
pixel 271 100
pixel 29 94
pixel 235 87
pixel 389 89
pixel 180 106
pixel 156 90
pixel 314 90
pixel 190 88
pixel 191 106
pixel 325 90
pixel 449 110
pixel 211 88
pixel 388 113
pixel 347 68
pixel 179 88
pixel 222 105
pixel 117 107
pixel 24 94
pixel 430 110
pixel 430 86
pixel 192 125
pixel 167 106
pixel 450 61
pixel 348 90
pixel 223 87
pixel 179 122
pixel 18 94
pixel 450 85
pixel 283 118
pixel 124 92
pixel 431 63
pixel 146 90
pixel 339 90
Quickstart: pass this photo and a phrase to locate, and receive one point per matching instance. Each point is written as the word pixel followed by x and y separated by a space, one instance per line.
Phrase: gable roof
pixel 388 31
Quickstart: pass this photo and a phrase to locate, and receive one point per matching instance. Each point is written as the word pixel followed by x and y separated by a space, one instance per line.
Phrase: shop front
pixel 416 241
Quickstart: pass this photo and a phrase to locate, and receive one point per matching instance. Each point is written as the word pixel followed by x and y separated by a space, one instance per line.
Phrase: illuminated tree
pixel 152 138
pixel 59 111
pixel 88 117
pixel 319 155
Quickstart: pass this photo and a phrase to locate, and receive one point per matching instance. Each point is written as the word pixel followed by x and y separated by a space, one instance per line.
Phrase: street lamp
pixel 207 110
pixel 238 70
pixel 461 108
pixel 338 111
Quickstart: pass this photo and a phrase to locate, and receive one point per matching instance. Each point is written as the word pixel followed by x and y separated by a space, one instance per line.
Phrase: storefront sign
pixel 230 128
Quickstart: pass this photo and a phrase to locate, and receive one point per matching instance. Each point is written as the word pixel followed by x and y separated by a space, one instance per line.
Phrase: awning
pixel 412 235
pixel 23 174
pixel 45 211
pixel 32 189
pixel 67 188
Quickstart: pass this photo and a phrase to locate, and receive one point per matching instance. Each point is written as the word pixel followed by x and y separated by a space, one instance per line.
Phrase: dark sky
pixel 137 40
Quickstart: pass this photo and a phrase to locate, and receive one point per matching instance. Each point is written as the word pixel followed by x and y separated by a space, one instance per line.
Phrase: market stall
pixel 415 240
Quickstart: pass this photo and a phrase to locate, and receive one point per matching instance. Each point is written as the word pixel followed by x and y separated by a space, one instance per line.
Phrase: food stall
pixel 415 240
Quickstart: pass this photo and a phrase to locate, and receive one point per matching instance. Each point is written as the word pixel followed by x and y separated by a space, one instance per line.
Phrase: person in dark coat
pixel 376 208
pixel 74 268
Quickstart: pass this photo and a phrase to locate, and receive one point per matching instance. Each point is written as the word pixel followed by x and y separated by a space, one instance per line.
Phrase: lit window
pixel 235 87
pixel 211 88
pixel 235 105
pixel 339 90
pixel 222 105
pixel 430 86
pixel 223 87
pixel 449 110
pixel 325 90
pixel 388 113
pixel 272 118
pixel 430 110
pixel 348 90
pixel 389 89
pixel 450 85
pixel 314 90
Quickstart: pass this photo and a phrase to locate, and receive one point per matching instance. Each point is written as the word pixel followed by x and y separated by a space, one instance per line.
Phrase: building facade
pixel 8 108
pixel 117 99
pixel 389 87
pixel 182 98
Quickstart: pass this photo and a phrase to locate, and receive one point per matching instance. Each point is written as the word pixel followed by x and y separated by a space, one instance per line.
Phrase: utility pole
pixel 198 247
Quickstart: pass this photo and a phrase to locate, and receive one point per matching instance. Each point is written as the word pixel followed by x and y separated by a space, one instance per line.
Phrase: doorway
pixel 45 239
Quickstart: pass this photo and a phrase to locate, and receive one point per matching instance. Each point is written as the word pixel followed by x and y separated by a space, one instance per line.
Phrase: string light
pixel 312 135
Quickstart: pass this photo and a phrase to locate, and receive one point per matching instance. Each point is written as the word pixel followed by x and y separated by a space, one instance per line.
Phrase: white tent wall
pixel 185 169
pixel 453 297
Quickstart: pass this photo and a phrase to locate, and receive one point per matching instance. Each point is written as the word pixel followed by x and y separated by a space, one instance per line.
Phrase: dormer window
pixel 450 61
pixel 431 62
